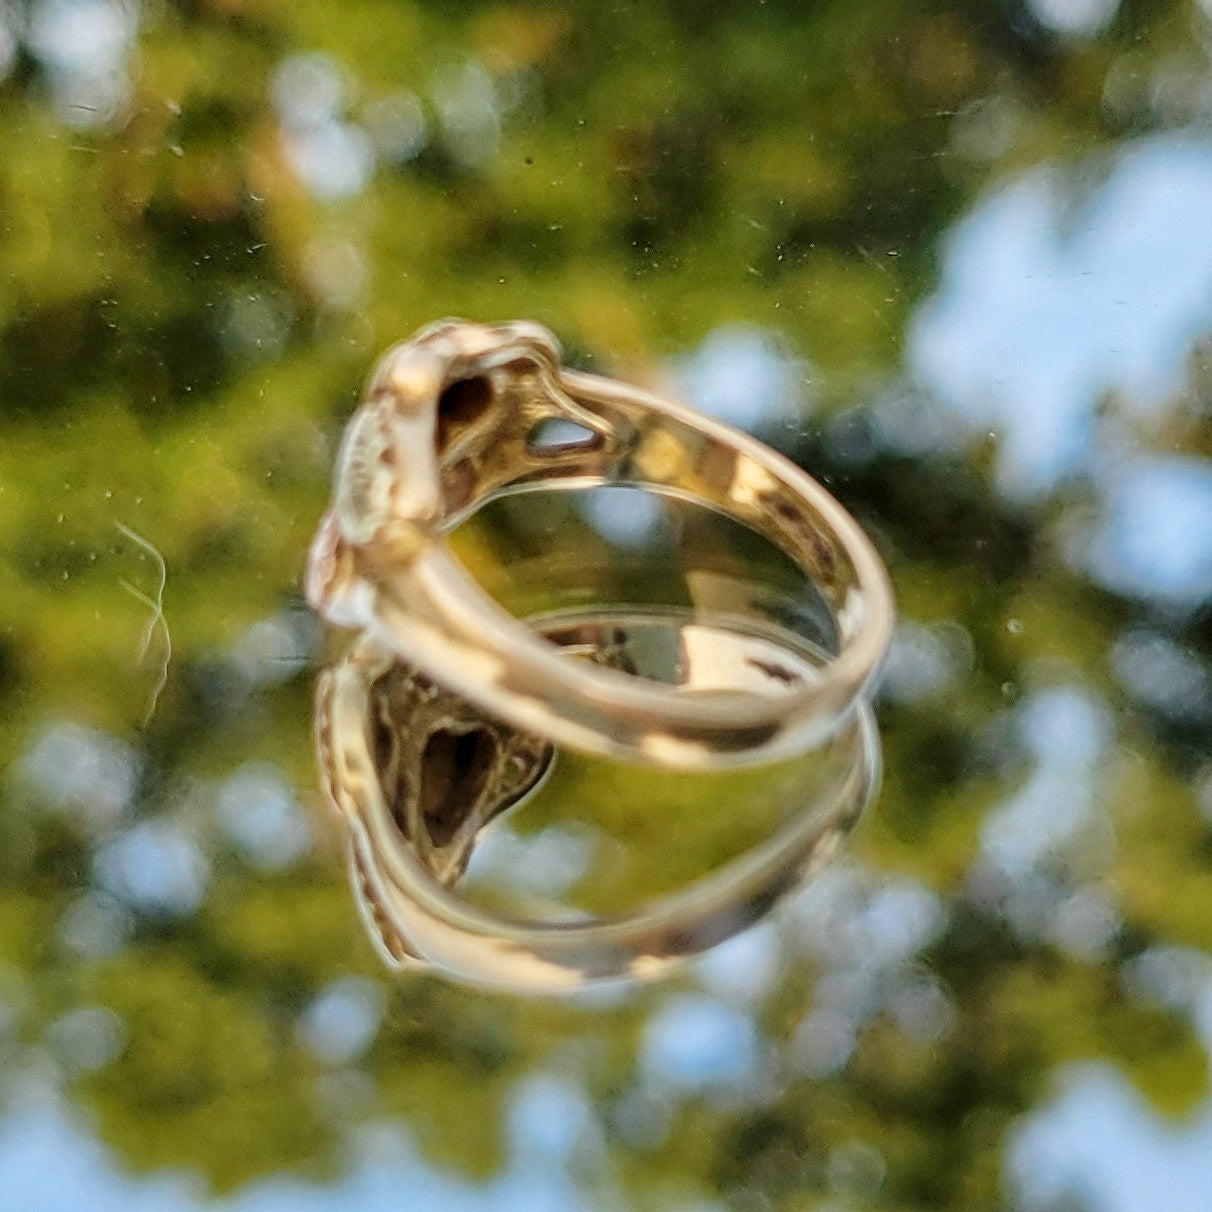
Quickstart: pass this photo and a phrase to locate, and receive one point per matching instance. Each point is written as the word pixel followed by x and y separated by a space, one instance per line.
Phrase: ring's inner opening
pixel 632 550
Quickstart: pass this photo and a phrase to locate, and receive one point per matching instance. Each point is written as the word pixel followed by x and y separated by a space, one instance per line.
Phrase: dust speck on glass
pixel 954 260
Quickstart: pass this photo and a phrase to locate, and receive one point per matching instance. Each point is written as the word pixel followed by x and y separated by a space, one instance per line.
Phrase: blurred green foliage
pixel 183 328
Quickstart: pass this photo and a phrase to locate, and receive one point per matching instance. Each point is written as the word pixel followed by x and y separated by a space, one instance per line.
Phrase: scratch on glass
pixel 156 606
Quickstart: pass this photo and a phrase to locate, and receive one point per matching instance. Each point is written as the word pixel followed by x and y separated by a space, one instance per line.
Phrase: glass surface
pixel 955 258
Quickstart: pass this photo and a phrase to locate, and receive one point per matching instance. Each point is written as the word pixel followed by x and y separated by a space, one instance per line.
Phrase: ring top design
pixel 460 415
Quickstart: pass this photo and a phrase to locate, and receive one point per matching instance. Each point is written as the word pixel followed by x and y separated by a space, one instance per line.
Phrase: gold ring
pixel 446 710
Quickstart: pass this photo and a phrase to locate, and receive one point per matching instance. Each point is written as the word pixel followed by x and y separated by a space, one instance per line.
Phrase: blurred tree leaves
pixel 183 326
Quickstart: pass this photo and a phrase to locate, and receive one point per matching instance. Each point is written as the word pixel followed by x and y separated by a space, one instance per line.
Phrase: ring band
pixel 454 418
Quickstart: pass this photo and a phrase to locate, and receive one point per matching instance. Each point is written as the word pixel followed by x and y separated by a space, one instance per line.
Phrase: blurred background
pixel 953 256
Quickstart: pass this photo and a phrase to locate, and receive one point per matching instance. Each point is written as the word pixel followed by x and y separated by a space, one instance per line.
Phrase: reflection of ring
pixel 412 826
pixel 462 414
